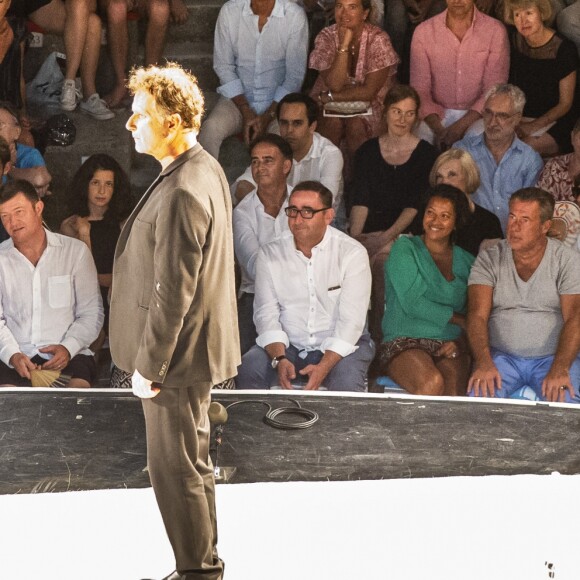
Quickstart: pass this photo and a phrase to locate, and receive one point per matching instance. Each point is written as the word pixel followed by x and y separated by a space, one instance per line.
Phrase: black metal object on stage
pixel 64 440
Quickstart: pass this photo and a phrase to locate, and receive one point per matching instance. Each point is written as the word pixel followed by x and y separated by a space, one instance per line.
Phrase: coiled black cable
pixel 271 416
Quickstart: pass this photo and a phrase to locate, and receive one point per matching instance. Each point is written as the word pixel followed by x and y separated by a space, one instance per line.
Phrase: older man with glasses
pixel 505 163
pixel 312 288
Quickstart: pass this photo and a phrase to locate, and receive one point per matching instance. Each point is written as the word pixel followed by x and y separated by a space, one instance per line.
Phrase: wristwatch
pixel 276 360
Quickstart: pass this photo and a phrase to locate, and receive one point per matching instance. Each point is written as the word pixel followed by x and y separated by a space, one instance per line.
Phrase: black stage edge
pixel 53 441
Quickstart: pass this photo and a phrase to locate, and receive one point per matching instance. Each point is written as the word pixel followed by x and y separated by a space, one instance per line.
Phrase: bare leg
pixel 50 17
pixel 75 34
pixel 118 37
pixel 90 59
pixel 156 30
pixel 455 373
pixel 415 371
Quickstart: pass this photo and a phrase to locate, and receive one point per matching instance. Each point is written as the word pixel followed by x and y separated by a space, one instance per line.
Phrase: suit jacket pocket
pixel 143 245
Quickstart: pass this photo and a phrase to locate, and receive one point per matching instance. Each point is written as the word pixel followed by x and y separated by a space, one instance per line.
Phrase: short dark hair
pixel 4 153
pixel 308 102
pixel 545 200
pixel 323 192
pixel 457 198
pixel 276 141
pixel 78 191
pixel 13 188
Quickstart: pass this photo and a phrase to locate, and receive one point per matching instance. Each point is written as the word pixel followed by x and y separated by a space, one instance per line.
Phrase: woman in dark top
pixel 457 167
pixel 543 64
pixel 99 199
pixel 391 172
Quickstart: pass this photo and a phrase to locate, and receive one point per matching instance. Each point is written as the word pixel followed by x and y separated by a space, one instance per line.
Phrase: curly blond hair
pixel 174 89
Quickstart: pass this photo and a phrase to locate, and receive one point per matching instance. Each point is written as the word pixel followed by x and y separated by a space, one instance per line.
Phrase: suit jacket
pixel 173 303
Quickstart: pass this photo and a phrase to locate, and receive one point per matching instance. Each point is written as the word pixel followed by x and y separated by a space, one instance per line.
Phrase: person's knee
pixel 77 383
pixel 78 8
pixel 94 26
pixel 253 369
pixel 432 384
pixel 352 380
pixel 214 126
pixel 117 11
pixel 158 12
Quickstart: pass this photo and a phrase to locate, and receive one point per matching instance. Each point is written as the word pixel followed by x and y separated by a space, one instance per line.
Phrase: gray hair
pixel 514 93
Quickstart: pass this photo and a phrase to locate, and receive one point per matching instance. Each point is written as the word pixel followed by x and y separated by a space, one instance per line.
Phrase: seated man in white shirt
pixel 258 219
pixel 313 287
pixel 50 303
pixel 314 157
pixel 260 49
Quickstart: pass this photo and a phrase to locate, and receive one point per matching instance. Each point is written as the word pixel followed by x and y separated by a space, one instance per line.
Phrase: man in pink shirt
pixel 456 56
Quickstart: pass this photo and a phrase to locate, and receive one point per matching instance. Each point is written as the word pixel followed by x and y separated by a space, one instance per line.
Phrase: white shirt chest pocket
pixel 333 294
pixel 60 291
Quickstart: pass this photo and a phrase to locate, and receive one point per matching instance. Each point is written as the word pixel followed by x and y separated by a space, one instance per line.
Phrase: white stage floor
pixel 465 528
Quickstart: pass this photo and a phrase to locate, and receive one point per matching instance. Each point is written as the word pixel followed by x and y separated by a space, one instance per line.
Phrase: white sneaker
pixel 96 108
pixel 68 96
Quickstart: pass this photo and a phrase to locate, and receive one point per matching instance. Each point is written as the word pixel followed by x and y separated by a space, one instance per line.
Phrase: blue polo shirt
pixel 519 167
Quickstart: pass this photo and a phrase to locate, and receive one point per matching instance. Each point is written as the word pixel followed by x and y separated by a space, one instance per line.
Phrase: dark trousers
pixel 246 324
pixel 182 476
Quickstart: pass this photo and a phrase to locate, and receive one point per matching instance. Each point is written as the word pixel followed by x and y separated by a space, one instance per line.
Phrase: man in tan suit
pixel 173 309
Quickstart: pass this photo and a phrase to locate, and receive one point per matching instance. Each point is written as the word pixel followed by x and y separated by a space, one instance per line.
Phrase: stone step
pixel 200 25
pixel 196 57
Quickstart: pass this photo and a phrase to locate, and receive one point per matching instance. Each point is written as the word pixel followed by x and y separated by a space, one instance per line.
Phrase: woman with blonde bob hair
pixel 542 64
pixel 456 167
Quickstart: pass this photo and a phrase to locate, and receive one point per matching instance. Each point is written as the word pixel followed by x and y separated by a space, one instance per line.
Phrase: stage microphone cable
pixel 271 416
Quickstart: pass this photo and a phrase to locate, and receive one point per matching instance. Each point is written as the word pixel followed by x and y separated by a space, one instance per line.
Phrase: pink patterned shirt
pixel 555 178
pixel 376 52
pixel 452 74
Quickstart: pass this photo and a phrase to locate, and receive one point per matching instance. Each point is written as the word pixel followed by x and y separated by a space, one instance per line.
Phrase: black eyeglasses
pixel 307 213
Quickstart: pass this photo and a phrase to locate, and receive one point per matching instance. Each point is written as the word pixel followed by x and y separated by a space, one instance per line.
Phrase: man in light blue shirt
pixel 260 51
pixel 505 163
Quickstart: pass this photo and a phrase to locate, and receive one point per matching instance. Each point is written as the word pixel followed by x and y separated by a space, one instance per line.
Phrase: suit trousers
pixel 181 474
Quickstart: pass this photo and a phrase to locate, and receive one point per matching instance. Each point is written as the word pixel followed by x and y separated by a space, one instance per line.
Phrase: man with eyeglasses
pixel 313 289
pixel 505 163
pixel 258 219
